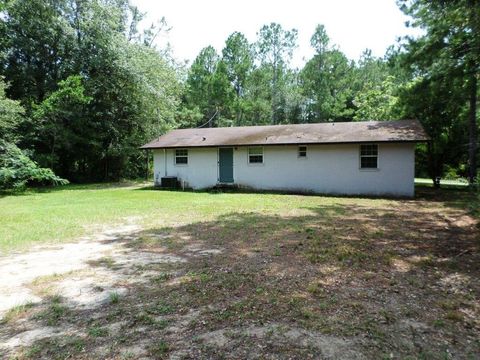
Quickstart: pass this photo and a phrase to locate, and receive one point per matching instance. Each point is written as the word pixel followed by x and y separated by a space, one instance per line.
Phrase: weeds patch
pixel 159 349
pixel 97 331
pixel 17 312
pixel 55 348
pixel 55 311
pixel 114 297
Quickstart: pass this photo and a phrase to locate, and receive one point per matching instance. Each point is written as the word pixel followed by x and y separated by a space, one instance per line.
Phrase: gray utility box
pixel 169 182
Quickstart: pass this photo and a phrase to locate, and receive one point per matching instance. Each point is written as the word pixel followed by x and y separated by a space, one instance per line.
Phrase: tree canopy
pixel 93 88
pixel 82 87
pixel 445 63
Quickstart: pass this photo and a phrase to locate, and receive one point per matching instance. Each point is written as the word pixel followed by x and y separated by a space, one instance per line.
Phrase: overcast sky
pixel 353 25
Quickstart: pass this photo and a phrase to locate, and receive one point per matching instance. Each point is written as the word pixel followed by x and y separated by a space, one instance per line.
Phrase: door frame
pixel 218 164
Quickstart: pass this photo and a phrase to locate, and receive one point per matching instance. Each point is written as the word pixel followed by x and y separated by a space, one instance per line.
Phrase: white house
pixel 354 158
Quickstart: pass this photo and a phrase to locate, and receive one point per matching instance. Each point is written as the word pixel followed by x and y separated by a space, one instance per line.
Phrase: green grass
pixel 114 297
pixel 54 313
pixel 160 349
pixel 97 331
pixel 63 214
pixel 460 183
pixel 62 347
pixel 16 312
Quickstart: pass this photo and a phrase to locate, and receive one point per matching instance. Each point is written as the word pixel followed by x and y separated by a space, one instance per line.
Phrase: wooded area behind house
pixel 82 87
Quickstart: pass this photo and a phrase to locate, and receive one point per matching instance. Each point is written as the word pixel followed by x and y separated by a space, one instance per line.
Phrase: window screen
pixel 302 151
pixel 181 156
pixel 369 156
pixel 255 155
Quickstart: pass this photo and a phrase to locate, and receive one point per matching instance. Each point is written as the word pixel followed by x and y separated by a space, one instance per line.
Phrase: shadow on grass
pixel 361 273
pixel 421 192
pixel 69 187
pixel 460 198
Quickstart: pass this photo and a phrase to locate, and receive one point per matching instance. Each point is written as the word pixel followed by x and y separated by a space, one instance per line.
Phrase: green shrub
pixel 17 170
pixel 450 173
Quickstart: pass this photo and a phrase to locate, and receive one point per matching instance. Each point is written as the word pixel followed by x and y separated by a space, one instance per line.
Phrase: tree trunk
pixel 472 129
pixel 274 92
pixel 473 66
pixel 433 165
pixel 105 176
pixel 238 110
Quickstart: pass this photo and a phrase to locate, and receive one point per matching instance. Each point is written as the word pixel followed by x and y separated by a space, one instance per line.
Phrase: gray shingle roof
pixel 318 133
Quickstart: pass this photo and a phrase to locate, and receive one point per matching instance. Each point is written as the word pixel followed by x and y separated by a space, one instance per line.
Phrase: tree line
pixel 82 87
pixel 254 84
pixel 90 85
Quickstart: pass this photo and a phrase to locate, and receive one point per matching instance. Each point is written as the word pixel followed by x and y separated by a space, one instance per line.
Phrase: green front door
pixel 225 165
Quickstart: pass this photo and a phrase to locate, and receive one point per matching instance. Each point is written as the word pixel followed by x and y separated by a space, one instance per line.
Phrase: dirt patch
pixel 28 337
pixel 19 271
pixel 325 346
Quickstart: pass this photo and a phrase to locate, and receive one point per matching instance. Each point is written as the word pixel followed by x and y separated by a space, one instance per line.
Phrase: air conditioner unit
pixel 169 182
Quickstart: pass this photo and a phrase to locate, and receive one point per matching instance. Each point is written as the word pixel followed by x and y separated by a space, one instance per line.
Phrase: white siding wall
pixel 333 169
pixel 201 171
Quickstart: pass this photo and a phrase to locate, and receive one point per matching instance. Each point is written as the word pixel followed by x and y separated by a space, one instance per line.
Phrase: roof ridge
pixel 300 124
pixel 407 130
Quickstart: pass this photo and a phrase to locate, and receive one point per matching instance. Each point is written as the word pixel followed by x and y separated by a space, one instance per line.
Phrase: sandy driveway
pixel 83 274
pixel 19 271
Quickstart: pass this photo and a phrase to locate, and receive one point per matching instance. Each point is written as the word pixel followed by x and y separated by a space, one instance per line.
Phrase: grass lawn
pixel 59 215
pixel 254 275
pixel 443 183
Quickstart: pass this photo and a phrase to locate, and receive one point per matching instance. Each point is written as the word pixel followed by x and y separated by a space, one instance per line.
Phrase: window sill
pixel 181 165
pixel 255 164
pixel 369 169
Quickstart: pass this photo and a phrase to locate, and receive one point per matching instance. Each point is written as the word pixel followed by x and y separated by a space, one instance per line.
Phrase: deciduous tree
pixel 448 52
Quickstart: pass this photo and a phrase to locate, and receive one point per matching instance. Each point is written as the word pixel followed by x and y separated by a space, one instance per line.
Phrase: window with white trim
pixel 369 156
pixel 255 155
pixel 181 156
pixel 302 151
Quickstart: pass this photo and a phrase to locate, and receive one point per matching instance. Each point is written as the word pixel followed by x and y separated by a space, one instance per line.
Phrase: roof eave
pixel 147 147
